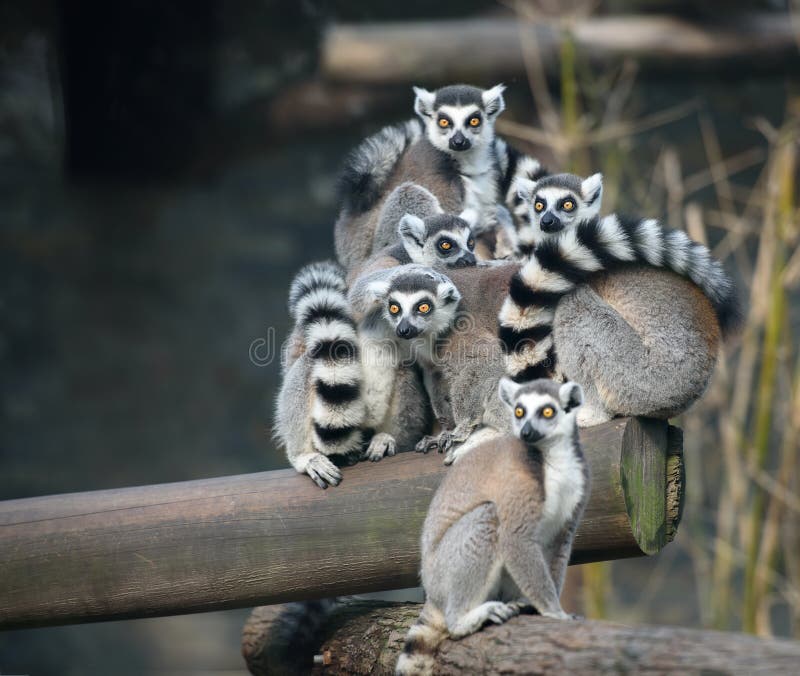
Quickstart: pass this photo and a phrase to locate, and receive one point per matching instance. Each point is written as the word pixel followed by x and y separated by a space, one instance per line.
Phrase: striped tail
pixel 422 641
pixel 371 163
pixel 559 264
pixel 318 303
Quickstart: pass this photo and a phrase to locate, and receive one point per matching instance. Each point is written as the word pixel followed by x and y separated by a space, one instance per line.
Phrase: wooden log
pixel 484 50
pixel 274 536
pixel 366 637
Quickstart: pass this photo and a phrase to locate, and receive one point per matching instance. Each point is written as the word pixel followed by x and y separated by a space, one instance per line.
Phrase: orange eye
pixel 548 412
pixel 424 308
pixel 471 244
pixel 538 206
pixel 519 411
pixel 474 121
pixel 444 123
pixel 569 205
pixel 394 309
pixel 445 246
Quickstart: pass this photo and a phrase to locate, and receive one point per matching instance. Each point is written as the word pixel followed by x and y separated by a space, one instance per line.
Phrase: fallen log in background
pixel 274 536
pixel 365 637
pixel 486 49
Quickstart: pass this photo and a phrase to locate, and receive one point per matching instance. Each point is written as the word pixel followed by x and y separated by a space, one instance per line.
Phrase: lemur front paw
pixel 382 444
pixel 323 472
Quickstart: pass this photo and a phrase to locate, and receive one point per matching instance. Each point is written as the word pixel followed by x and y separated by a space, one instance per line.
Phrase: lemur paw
pixel 427 443
pixel 502 612
pixel 441 443
pixel 557 615
pixel 382 444
pixel 323 472
pixel 445 441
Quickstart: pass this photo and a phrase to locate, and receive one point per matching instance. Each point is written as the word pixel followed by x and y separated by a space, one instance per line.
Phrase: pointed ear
pixel 448 293
pixel 592 189
pixel 507 390
pixel 470 215
pixel 571 396
pixel 493 102
pixel 411 229
pixel 376 291
pixel 525 189
pixel 423 104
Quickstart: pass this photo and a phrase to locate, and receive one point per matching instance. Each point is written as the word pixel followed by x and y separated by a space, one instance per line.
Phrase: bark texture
pixel 363 637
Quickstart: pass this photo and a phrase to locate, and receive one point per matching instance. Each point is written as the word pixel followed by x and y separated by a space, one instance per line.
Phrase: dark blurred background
pixel 165 168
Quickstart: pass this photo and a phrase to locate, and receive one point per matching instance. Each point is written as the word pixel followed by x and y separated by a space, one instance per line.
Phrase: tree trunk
pixel 363 637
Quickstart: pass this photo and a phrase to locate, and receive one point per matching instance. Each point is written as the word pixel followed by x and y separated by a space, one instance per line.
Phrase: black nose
pixel 529 434
pixel 551 223
pixel 459 142
pixel 467 260
pixel 407 330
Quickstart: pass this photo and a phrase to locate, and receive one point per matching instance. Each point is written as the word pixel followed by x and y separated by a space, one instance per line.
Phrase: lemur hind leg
pixel 463 575
pixel 528 568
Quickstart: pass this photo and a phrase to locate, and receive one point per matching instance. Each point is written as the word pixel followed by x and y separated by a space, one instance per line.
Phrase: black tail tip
pixel 731 315
pixel 357 191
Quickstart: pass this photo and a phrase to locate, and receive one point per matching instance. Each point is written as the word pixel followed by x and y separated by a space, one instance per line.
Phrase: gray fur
pixel 654 355
pixel 407 198
pixel 458 95
pixel 499 530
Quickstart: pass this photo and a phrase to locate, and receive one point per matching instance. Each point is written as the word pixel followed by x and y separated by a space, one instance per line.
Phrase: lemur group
pixel 482 307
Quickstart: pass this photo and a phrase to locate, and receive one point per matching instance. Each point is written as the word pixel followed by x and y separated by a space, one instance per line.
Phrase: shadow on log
pixel 274 536
pixel 365 637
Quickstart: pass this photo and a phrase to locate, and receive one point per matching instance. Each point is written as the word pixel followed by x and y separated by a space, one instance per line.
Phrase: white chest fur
pixel 564 488
pixel 480 190
pixel 379 364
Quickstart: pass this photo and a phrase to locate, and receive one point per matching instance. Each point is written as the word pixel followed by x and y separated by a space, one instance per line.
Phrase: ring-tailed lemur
pixel 499 530
pixel 418 306
pixel 534 325
pixel 343 382
pixel 451 150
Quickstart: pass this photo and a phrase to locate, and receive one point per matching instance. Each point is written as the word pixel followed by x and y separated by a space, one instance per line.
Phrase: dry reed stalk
pixel 783 179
